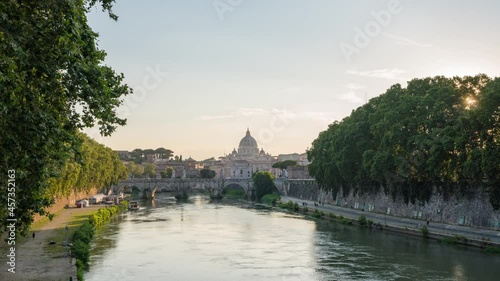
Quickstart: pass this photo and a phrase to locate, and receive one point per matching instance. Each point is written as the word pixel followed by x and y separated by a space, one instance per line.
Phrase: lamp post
pixel 66 241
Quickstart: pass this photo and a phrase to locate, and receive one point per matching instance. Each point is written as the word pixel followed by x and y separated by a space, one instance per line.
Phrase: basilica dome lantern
pixel 248 145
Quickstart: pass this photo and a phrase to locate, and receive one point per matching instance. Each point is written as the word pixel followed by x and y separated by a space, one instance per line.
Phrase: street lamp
pixel 66 240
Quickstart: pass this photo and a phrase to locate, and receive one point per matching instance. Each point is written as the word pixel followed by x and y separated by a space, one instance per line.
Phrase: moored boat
pixel 133 205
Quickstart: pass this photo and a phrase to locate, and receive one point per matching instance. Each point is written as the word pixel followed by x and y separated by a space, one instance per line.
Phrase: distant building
pixel 190 168
pixel 303 160
pixel 190 164
pixel 215 166
pixel 292 156
pixel 150 158
pixel 298 172
pixel 199 166
pixel 242 163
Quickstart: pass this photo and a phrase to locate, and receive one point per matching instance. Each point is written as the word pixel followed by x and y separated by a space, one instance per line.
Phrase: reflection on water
pixel 202 240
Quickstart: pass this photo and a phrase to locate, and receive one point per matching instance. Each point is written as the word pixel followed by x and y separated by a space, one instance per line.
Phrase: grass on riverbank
pixel 454 240
pixel 294 207
pixel 291 206
pixel 270 199
pixel 74 221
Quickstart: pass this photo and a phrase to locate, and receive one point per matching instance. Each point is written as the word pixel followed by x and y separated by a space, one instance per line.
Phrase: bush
pixel 84 233
pixel 493 250
pixel 362 221
pixel 454 240
pixel 370 223
pixel 79 270
pixel 105 214
pixel 82 237
pixel 316 214
pixel 425 231
pixel 289 206
pixel 343 220
pixel 81 251
pixel 270 199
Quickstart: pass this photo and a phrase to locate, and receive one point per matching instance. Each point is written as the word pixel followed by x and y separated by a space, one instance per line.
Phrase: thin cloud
pixel 407 41
pixel 317 116
pixel 242 111
pixel 392 74
pixel 250 111
pixel 350 97
pixel 282 113
pixel 213 117
pixel 354 86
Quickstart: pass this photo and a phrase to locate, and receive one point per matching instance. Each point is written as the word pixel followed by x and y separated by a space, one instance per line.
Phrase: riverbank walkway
pixel 478 234
pixel 36 259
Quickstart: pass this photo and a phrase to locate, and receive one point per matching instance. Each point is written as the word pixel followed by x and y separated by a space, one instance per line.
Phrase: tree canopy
pixel 284 164
pixel 53 82
pixel 139 155
pixel 164 153
pixel 149 170
pixel 135 170
pixel 100 167
pixel 167 173
pixel 437 132
pixel 263 183
pixel 207 174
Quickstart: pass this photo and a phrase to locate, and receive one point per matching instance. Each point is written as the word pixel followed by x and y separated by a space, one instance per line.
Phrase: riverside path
pixel 477 234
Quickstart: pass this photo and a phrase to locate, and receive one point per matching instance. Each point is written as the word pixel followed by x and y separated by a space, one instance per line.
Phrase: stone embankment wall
pixel 71 200
pixel 307 190
pixel 474 211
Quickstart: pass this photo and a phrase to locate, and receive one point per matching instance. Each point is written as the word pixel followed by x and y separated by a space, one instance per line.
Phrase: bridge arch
pixel 234 190
pixel 134 189
pixel 214 186
pixel 233 185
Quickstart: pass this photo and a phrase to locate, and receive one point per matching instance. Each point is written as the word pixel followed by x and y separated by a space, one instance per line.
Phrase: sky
pixel 203 71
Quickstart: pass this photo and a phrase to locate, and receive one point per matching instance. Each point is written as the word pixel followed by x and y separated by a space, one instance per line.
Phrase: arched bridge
pixel 214 186
pixel 150 186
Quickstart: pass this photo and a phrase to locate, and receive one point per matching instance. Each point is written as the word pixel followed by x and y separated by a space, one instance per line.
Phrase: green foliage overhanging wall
pixel 437 132
pixel 96 166
pixel 53 82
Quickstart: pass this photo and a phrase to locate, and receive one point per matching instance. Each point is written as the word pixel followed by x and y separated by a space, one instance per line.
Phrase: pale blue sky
pixel 277 66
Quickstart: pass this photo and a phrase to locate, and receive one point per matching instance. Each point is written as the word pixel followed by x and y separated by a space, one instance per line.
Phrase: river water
pixel 205 241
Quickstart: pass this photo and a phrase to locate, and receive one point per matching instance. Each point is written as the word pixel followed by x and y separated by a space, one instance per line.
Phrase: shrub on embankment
pixel 291 206
pixel 270 199
pixel 82 237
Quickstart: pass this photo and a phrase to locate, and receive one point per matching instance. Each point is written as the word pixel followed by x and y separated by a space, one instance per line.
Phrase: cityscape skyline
pixel 203 71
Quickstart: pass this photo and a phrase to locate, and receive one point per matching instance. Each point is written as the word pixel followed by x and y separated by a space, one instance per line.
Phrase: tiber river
pixel 200 240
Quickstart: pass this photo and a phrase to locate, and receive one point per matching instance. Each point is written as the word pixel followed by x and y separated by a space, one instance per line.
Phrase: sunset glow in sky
pixel 203 71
